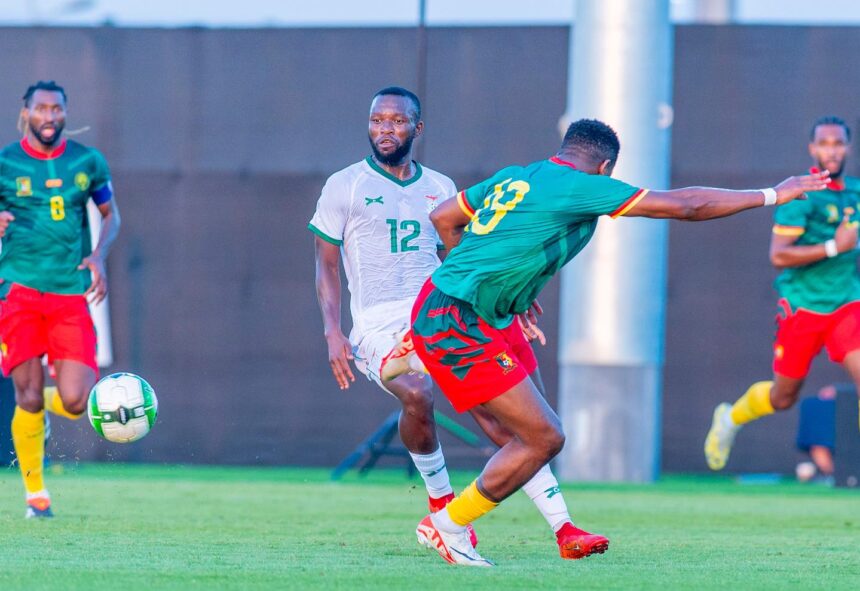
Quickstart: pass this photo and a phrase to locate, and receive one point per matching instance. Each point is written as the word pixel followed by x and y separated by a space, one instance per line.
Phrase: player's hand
pixel 846 235
pixel 528 323
pixel 5 218
pixel 98 288
pixel 339 354
pixel 795 187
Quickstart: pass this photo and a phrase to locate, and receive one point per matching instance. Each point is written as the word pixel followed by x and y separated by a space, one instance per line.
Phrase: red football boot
pixel 575 543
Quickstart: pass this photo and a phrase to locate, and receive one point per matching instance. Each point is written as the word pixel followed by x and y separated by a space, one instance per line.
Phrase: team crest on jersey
pixel 54 183
pixel 505 362
pixel 372 200
pixel 82 181
pixel 24 186
pixel 432 202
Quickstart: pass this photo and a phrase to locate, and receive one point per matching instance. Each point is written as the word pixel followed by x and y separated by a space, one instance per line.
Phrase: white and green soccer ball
pixel 122 407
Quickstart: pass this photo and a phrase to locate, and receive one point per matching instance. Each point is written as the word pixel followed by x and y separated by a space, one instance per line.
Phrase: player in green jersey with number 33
pixel 507 236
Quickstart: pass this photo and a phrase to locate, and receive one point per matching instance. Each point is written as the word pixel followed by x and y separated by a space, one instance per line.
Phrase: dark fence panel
pixel 220 142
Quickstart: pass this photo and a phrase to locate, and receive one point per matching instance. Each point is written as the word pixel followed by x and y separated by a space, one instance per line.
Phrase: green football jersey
pixel 824 285
pixel 48 196
pixel 527 222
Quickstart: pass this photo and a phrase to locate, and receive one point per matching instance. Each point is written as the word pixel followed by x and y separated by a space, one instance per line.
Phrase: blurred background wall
pixel 220 140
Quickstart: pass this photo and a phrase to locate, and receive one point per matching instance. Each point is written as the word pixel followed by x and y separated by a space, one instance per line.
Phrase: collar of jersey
pixel 557 160
pixel 418 172
pixel 833 184
pixel 34 153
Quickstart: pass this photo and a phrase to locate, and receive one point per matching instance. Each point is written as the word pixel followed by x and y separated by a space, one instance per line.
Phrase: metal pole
pixel 613 294
pixel 421 75
pixel 712 12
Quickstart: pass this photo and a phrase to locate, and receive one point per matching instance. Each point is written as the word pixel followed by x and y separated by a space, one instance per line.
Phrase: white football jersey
pixel 388 244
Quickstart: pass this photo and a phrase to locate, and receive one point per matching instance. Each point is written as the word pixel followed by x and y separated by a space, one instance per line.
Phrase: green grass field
pixel 154 527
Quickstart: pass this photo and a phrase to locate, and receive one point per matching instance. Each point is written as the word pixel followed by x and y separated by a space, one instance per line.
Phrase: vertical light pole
pixel 613 294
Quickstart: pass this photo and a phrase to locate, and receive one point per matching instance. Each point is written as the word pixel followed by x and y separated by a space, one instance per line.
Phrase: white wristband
pixel 830 248
pixel 769 196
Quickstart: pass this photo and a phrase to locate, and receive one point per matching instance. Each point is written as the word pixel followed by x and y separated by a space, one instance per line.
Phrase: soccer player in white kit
pixel 375 216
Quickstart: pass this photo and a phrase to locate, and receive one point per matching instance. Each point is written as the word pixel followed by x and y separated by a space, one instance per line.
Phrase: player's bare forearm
pixel 785 253
pixel 707 203
pixel 111 222
pixel 796 256
pixel 328 284
pixel 328 296
pixel 450 237
pixel 449 221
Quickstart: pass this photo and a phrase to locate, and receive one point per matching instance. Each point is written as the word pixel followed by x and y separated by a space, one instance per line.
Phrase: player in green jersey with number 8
pixel 814 244
pixel 49 271
pixel 506 237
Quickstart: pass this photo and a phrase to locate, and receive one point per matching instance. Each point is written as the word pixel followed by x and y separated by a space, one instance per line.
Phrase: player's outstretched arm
pixel 449 220
pixel 706 203
pixel 328 296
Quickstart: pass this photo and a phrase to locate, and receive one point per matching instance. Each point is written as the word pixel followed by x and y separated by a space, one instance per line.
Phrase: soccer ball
pixel 122 407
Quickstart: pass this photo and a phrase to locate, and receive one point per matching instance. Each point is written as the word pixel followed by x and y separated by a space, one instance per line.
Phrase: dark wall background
pixel 220 141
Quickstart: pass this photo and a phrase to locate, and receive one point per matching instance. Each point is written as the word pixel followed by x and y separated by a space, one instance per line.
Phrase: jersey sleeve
pixel 602 195
pixel 472 199
pixel 790 219
pixel 101 187
pixel 332 211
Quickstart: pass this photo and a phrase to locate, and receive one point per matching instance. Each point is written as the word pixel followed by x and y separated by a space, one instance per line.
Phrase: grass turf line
pixel 170 527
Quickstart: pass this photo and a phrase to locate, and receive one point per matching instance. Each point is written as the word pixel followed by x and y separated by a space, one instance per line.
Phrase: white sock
pixel 543 489
pixel 728 422
pixel 433 471
pixel 442 520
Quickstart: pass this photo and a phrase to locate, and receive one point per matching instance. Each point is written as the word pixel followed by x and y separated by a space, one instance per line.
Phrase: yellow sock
pixel 469 505
pixel 755 403
pixel 28 435
pixel 54 404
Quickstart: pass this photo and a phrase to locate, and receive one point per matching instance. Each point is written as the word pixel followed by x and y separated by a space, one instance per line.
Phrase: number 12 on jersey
pixel 411 226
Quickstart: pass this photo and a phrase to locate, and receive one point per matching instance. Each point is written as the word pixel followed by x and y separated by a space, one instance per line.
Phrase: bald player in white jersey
pixel 375 216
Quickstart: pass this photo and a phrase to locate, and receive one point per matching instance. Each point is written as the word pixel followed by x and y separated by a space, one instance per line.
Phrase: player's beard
pixel 833 175
pixel 396 157
pixel 48 141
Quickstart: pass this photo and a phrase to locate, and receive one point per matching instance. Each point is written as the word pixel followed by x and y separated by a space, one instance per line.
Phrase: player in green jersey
pixel 49 271
pixel 507 236
pixel 355 225
pixel 814 243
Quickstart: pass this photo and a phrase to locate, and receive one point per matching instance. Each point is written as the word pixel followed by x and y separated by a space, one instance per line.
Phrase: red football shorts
pixel 471 361
pixel 801 334
pixel 33 323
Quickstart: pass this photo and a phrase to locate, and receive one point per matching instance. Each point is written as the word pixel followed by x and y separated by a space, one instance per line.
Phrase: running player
pixel 814 242
pixel 49 272
pixel 375 215
pixel 506 237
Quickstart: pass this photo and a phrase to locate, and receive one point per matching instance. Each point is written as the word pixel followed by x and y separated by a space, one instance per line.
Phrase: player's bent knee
pixel 555 443
pixel 417 401
pixel 29 398
pixel 76 407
